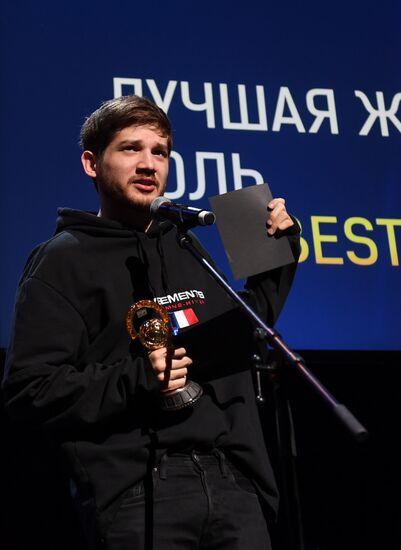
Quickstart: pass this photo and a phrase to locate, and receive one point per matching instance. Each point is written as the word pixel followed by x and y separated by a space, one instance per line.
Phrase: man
pixel 142 477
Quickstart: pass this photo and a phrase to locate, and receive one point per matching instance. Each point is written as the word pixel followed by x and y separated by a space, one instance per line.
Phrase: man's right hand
pixel 171 367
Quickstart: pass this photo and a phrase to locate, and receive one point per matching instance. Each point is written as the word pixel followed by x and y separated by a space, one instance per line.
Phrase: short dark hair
pixel 114 115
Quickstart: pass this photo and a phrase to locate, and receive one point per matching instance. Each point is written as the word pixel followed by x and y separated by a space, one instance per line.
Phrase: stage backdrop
pixel 303 95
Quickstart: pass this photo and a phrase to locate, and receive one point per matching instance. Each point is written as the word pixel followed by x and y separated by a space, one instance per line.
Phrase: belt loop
pixel 163 467
pixel 222 462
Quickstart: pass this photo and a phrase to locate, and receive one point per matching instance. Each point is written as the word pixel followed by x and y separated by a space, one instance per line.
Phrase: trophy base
pixel 184 397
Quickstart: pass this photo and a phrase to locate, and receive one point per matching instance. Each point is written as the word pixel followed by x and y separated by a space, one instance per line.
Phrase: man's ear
pixel 88 160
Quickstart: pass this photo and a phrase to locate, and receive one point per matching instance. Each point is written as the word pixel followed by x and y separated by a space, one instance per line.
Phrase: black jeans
pixel 195 501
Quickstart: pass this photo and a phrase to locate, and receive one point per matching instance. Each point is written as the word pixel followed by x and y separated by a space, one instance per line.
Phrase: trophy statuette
pixel 155 332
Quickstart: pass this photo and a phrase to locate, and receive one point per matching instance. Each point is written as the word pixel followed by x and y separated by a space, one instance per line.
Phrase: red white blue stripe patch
pixel 184 318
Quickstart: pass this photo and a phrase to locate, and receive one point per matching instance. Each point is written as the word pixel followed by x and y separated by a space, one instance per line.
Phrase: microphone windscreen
pixel 154 206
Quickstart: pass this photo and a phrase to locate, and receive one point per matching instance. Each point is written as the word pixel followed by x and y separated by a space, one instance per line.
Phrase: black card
pixel 241 220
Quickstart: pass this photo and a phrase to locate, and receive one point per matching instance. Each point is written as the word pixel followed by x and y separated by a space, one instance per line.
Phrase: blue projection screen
pixel 304 96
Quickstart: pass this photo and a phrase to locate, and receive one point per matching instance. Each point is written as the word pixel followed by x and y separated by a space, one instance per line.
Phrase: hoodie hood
pixel 92 224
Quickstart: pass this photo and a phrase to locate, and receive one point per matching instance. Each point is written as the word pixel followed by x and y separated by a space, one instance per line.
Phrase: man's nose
pixel 146 161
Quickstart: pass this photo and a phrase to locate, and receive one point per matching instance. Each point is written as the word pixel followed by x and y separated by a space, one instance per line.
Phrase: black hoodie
pixel 73 370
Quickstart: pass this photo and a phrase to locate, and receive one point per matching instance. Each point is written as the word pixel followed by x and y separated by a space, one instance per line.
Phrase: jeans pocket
pixel 129 518
pixel 241 482
pixel 134 494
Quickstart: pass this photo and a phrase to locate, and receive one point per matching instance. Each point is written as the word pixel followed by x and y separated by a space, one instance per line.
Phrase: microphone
pixel 180 214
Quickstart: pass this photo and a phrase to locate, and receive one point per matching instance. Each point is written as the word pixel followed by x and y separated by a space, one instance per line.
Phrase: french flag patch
pixel 183 318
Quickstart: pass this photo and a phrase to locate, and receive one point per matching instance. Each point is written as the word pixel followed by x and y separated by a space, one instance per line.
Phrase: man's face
pixel 132 171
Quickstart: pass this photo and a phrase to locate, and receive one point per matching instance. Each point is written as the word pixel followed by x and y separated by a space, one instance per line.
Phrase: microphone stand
pixel 281 353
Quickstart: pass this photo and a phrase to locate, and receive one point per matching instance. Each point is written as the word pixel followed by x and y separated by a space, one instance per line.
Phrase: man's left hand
pixel 279 218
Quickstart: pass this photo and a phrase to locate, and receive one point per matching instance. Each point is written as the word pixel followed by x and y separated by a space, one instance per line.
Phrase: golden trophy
pixel 150 322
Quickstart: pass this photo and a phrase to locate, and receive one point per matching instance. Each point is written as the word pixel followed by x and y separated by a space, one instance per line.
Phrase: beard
pixel 125 203
pixel 116 198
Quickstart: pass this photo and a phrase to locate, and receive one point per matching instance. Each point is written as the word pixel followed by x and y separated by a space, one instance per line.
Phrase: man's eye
pixel 160 152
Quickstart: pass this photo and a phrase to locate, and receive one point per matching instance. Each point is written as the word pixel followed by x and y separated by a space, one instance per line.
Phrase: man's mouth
pixel 145 184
